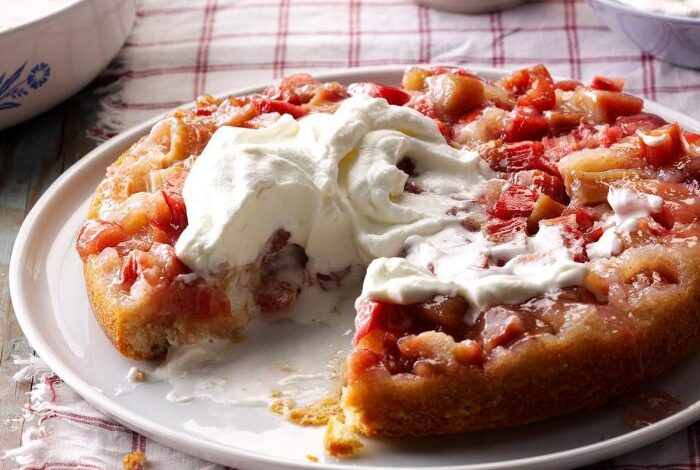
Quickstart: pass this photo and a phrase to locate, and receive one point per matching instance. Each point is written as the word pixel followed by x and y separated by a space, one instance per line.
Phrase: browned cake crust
pixel 125 325
pixel 546 376
pixel 142 331
pixel 120 324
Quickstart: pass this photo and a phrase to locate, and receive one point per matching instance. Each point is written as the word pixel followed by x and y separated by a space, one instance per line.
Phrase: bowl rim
pixel 70 5
pixel 615 4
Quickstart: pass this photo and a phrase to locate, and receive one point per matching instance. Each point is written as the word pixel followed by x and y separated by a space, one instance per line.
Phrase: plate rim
pixel 212 450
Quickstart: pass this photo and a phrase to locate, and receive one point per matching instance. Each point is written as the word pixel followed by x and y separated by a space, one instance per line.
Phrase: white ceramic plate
pixel 49 298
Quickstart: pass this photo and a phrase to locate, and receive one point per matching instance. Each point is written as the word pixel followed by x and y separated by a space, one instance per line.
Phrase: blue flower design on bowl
pixel 39 74
pixel 14 87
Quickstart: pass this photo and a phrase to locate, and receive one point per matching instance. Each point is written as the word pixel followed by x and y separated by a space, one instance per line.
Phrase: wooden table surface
pixel 32 155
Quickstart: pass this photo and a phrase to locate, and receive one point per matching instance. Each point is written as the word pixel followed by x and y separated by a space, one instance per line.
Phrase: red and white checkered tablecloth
pixel 182 48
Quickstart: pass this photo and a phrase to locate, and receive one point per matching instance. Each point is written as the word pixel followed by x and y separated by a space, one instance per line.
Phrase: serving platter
pixel 50 302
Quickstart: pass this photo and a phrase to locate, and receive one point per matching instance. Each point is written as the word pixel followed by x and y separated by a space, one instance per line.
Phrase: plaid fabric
pixel 96 442
pixel 182 48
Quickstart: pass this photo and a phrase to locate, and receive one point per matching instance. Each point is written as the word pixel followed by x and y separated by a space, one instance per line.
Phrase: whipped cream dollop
pixel 332 180
pixel 629 206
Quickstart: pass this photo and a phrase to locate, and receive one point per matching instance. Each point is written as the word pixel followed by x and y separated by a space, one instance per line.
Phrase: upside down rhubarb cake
pixel 530 245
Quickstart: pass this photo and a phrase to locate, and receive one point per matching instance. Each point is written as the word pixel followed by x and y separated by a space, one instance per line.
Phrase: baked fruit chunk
pixel 536 259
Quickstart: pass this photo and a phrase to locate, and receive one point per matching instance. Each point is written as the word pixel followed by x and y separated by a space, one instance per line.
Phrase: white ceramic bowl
pixel 46 60
pixel 674 39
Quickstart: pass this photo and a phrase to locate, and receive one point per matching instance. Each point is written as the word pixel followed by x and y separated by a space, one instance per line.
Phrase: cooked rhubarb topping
pixel 569 180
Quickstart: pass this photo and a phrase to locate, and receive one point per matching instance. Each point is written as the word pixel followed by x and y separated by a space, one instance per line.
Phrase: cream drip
pixel 628 207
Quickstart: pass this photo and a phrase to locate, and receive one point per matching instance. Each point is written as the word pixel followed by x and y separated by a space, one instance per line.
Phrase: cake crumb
pixel 136 374
pixel 135 460
pixel 276 394
pixel 237 336
pixel 341 440
pixel 316 414
pixel 282 406
pixel 311 458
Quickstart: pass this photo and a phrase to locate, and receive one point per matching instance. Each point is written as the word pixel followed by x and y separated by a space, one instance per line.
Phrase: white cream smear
pixel 449 264
pixel 332 181
pixel 688 8
pixel 628 207
pixel 294 356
